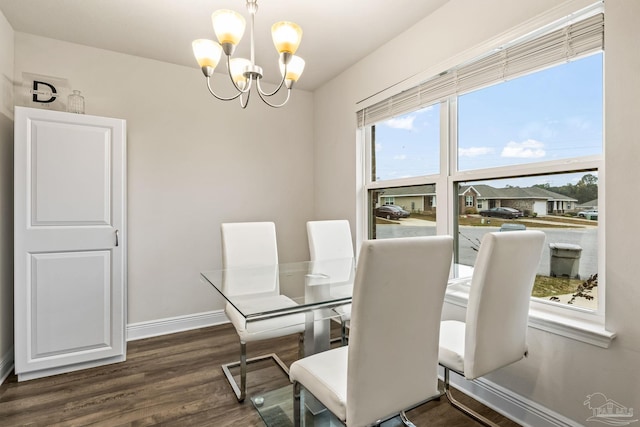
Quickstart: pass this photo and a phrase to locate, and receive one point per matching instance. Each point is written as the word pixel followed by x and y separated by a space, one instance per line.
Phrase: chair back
pixel 249 244
pixel 498 309
pixel 329 239
pixel 330 247
pixel 395 322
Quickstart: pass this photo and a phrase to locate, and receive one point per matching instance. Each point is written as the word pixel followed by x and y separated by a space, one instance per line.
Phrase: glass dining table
pixel 312 289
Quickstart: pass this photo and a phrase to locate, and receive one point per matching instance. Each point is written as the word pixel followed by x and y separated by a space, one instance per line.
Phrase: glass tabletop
pixel 262 292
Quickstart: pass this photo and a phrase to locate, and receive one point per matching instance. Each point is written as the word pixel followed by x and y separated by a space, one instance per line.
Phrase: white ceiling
pixel 337 33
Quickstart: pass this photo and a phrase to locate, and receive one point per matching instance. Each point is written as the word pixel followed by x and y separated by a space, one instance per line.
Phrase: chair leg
pixel 296 404
pixel 343 332
pixel 463 408
pixel 301 345
pixel 406 421
pixel 241 391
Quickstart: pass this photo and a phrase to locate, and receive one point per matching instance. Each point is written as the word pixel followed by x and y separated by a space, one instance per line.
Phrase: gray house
pixel 530 200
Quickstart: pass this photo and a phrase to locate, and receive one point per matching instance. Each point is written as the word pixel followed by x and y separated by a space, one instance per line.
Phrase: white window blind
pixel 562 45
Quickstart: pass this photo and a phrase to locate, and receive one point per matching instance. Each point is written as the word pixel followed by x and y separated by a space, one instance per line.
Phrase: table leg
pixel 317 332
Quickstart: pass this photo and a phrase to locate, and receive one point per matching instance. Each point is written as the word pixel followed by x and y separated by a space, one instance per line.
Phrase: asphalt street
pixel 469 240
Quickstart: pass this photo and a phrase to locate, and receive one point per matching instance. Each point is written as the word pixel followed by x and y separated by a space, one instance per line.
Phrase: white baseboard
pixel 153 328
pixel 42 373
pixel 6 365
pixel 513 406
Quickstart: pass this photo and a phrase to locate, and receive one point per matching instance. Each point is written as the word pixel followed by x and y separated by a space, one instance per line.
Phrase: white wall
pixel 6 196
pixel 193 162
pixel 560 372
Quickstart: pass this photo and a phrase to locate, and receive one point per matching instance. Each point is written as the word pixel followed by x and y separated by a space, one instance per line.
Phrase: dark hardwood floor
pixel 174 380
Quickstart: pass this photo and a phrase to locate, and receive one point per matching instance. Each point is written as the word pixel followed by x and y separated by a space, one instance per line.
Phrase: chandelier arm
pixel 263 93
pixel 221 98
pixel 245 103
pixel 263 97
pixel 246 89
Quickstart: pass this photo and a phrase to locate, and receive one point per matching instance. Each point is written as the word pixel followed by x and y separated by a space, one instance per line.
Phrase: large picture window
pixel 511 141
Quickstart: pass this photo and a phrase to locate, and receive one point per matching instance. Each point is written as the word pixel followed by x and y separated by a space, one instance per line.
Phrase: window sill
pixel 587 329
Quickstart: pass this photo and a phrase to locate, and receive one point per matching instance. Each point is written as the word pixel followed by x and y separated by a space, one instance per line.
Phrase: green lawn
pixel 546 286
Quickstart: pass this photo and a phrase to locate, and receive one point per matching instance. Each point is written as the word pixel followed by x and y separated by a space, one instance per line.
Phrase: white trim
pixel 41 373
pixel 153 328
pixel 511 405
pixel 587 329
pixel 6 365
pixel 590 331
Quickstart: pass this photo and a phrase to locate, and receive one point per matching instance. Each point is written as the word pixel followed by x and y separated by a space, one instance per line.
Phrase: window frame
pixel 575 322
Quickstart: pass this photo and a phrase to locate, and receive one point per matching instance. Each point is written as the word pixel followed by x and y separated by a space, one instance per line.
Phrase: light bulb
pixel 286 36
pixel 207 53
pixel 295 67
pixel 237 66
pixel 228 25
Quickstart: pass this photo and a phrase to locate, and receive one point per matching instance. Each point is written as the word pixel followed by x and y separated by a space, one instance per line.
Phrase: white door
pixel 70 240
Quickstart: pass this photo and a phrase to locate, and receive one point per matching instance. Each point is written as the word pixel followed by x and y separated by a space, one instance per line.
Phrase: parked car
pixel 502 213
pixel 389 212
pixel 592 214
pixel 405 213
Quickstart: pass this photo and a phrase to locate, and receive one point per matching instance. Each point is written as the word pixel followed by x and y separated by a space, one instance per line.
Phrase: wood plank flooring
pixel 174 380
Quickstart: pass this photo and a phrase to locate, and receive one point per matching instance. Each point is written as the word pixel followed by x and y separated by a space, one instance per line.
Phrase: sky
pixel 548 115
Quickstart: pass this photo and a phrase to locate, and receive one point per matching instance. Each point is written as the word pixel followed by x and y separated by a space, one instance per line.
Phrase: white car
pixel 592 214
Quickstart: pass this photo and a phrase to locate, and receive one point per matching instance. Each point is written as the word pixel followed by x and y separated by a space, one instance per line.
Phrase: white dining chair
pixel 250 254
pixel 385 369
pixel 331 240
pixel 494 333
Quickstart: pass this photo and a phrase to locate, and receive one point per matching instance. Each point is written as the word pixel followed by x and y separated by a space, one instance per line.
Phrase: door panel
pixel 70 241
pixel 70 292
pixel 66 191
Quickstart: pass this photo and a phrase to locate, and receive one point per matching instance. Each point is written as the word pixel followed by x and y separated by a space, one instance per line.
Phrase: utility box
pixel 565 260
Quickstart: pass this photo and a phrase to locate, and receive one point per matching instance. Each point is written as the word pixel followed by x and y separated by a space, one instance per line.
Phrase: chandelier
pixel 229 27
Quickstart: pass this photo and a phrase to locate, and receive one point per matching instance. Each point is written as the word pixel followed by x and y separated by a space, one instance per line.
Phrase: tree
pixel 584 191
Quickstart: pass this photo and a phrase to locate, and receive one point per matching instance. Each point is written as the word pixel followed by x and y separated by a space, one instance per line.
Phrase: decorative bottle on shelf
pixel 75 102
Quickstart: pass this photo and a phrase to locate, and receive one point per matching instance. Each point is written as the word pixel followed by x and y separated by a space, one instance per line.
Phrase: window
pixel 539 119
pixel 523 127
pixel 468 201
pixel 570 255
pixel 398 221
pixel 407 146
pixel 551 114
